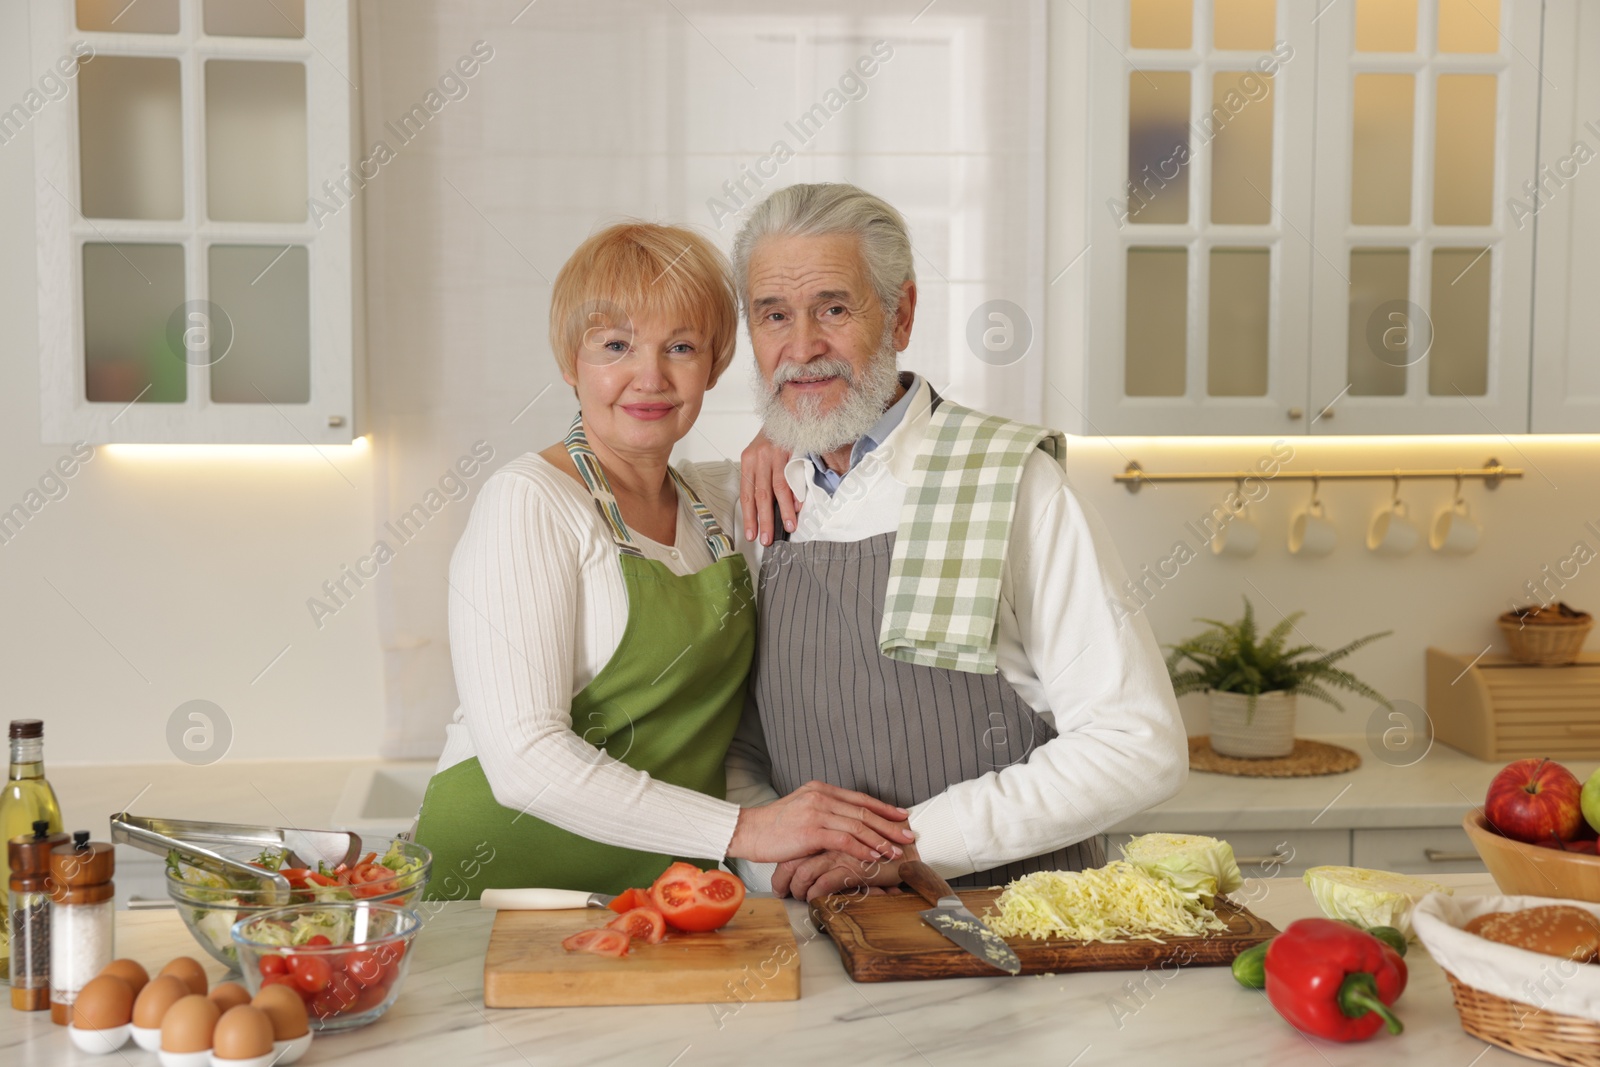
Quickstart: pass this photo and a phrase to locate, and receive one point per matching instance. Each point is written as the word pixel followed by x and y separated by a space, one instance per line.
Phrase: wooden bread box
pixel 1498 709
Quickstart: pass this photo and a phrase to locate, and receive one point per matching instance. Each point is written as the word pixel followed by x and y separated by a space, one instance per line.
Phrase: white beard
pixel 807 429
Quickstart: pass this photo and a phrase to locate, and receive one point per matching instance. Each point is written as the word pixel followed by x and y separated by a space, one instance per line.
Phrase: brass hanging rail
pixel 1133 476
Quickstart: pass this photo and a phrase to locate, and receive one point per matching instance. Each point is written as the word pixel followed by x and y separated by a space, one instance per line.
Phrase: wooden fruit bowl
pixel 1528 870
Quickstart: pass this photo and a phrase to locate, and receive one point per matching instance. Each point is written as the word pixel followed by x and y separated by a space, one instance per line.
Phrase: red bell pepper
pixel 1331 980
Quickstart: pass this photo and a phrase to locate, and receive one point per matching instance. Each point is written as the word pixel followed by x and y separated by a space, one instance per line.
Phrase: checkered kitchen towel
pixel 944 580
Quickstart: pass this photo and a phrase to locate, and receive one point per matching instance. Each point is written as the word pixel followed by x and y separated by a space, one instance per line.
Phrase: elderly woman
pixel 602 619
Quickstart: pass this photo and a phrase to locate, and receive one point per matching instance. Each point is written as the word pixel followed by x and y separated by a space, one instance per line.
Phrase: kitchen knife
pixel 542 899
pixel 954 920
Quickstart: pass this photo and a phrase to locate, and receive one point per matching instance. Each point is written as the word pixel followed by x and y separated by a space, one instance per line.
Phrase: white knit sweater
pixel 537 608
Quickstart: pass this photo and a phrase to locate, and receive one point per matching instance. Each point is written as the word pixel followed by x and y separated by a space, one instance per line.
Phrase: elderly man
pixel 937 630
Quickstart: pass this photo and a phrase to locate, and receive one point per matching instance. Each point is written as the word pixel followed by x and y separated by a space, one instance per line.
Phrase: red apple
pixel 1535 800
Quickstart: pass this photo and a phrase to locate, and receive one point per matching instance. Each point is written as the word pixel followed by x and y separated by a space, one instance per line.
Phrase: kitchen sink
pixel 382 799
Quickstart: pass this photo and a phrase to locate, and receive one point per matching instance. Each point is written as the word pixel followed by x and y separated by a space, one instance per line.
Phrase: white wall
pixel 1425 598
pixel 177 574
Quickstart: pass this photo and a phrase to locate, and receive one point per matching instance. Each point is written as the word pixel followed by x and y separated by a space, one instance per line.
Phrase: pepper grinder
pixel 29 856
pixel 81 920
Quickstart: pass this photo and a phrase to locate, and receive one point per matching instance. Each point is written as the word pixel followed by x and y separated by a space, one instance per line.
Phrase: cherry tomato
pixel 318 941
pixel 365 967
pixel 311 972
pixel 273 964
pixel 371 997
pixel 281 979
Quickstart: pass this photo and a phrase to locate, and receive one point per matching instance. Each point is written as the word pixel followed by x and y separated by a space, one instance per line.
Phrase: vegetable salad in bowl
pixel 211 903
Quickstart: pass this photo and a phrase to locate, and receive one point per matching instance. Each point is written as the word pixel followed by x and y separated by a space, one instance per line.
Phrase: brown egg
pixel 229 995
pixel 102 1003
pixel 286 1010
pixel 154 999
pixel 189 1024
pixel 242 1033
pixel 193 975
pixel 129 971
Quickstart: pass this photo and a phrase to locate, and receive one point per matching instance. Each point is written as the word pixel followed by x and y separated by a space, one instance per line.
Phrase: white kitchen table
pixel 1197 1017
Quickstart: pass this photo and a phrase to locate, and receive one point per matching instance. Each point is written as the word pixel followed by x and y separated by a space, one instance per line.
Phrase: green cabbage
pixel 1369 898
pixel 1201 868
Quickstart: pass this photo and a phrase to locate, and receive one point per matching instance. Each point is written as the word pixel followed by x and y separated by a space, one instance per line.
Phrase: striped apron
pixel 835 709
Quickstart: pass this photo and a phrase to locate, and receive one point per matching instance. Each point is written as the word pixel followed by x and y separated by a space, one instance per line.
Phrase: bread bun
pixel 1557 930
pixel 1475 926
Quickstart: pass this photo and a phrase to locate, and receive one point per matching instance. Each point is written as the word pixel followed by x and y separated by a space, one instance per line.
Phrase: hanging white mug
pixel 1310 532
pixel 1392 532
pixel 1238 538
pixel 1454 530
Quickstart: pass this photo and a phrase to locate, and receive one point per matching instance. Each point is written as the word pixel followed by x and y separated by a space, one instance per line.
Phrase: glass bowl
pixel 210 911
pixel 348 982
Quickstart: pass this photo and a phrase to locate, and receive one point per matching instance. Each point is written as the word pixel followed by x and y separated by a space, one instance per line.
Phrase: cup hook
pixel 1395 500
pixel 1316 485
pixel 1458 500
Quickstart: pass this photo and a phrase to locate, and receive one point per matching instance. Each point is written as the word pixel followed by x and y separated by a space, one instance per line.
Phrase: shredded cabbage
pixel 1369 898
pixel 1199 867
pixel 1117 902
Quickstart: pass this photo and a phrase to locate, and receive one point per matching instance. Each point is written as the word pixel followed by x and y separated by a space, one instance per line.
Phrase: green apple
pixel 1590 800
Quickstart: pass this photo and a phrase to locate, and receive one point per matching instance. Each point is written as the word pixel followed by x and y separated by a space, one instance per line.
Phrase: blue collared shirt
pixel 824 476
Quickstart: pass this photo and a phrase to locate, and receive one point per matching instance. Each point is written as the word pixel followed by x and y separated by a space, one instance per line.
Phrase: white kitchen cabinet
pixel 1200 175
pixel 1563 209
pixel 196 221
pixel 1420 850
pixel 1421 289
pixel 1387 286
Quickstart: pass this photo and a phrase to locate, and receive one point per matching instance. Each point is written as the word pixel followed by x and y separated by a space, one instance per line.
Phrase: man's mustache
pixel 816 368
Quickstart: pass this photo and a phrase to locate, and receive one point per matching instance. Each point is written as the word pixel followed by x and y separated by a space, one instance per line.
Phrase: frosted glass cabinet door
pixel 176 257
pixel 1427 119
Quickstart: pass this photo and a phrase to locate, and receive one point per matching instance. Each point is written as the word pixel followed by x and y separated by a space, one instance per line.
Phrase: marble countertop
pixel 1194 1016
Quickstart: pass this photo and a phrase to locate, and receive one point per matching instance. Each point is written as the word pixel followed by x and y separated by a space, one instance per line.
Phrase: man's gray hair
pixel 829 208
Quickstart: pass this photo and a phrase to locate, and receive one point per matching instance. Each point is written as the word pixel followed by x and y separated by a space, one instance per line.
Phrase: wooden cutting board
pixel 754 957
pixel 883 939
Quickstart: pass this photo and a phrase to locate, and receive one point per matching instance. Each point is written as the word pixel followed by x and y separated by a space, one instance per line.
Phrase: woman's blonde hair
pixel 643 270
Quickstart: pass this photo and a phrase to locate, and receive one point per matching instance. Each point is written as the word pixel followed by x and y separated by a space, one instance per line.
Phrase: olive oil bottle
pixel 27 799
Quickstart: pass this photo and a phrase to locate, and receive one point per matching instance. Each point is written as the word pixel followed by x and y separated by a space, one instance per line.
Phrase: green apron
pixel 666 703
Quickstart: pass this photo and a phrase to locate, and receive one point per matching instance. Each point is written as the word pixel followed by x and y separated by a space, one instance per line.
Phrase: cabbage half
pixel 1369 898
pixel 1201 868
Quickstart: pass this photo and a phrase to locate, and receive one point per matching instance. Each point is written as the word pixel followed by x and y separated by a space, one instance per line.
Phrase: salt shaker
pixel 29 856
pixel 80 920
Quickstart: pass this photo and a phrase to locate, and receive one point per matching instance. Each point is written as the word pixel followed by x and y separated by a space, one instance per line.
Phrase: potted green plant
pixel 1254 681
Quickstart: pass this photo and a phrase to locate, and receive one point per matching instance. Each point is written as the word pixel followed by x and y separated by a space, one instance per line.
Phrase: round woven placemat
pixel 1309 759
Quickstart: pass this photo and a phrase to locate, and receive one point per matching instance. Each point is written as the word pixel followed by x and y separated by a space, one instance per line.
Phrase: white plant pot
pixel 1269 733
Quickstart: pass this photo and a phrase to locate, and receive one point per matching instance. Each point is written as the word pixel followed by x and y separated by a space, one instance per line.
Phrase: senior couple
pixel 928 666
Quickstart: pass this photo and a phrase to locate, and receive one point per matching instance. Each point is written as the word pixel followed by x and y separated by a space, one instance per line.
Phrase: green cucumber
pixel 1250 966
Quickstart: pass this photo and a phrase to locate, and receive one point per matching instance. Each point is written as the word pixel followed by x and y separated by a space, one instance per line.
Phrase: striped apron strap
pixel 594 476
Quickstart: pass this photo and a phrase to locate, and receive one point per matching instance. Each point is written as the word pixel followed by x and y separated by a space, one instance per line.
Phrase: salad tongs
pixel 202 844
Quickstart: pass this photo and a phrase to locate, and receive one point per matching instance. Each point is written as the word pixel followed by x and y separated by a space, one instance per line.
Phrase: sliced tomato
pixel 645 924
pixel 691 899
pixel 602 942
pixel 629 899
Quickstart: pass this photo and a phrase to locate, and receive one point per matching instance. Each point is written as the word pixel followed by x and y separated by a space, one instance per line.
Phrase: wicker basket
pixel 1545 638
pixel 1526 1030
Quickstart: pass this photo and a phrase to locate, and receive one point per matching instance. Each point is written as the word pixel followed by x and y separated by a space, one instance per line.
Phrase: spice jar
pixel 80 918
pixel 29 919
